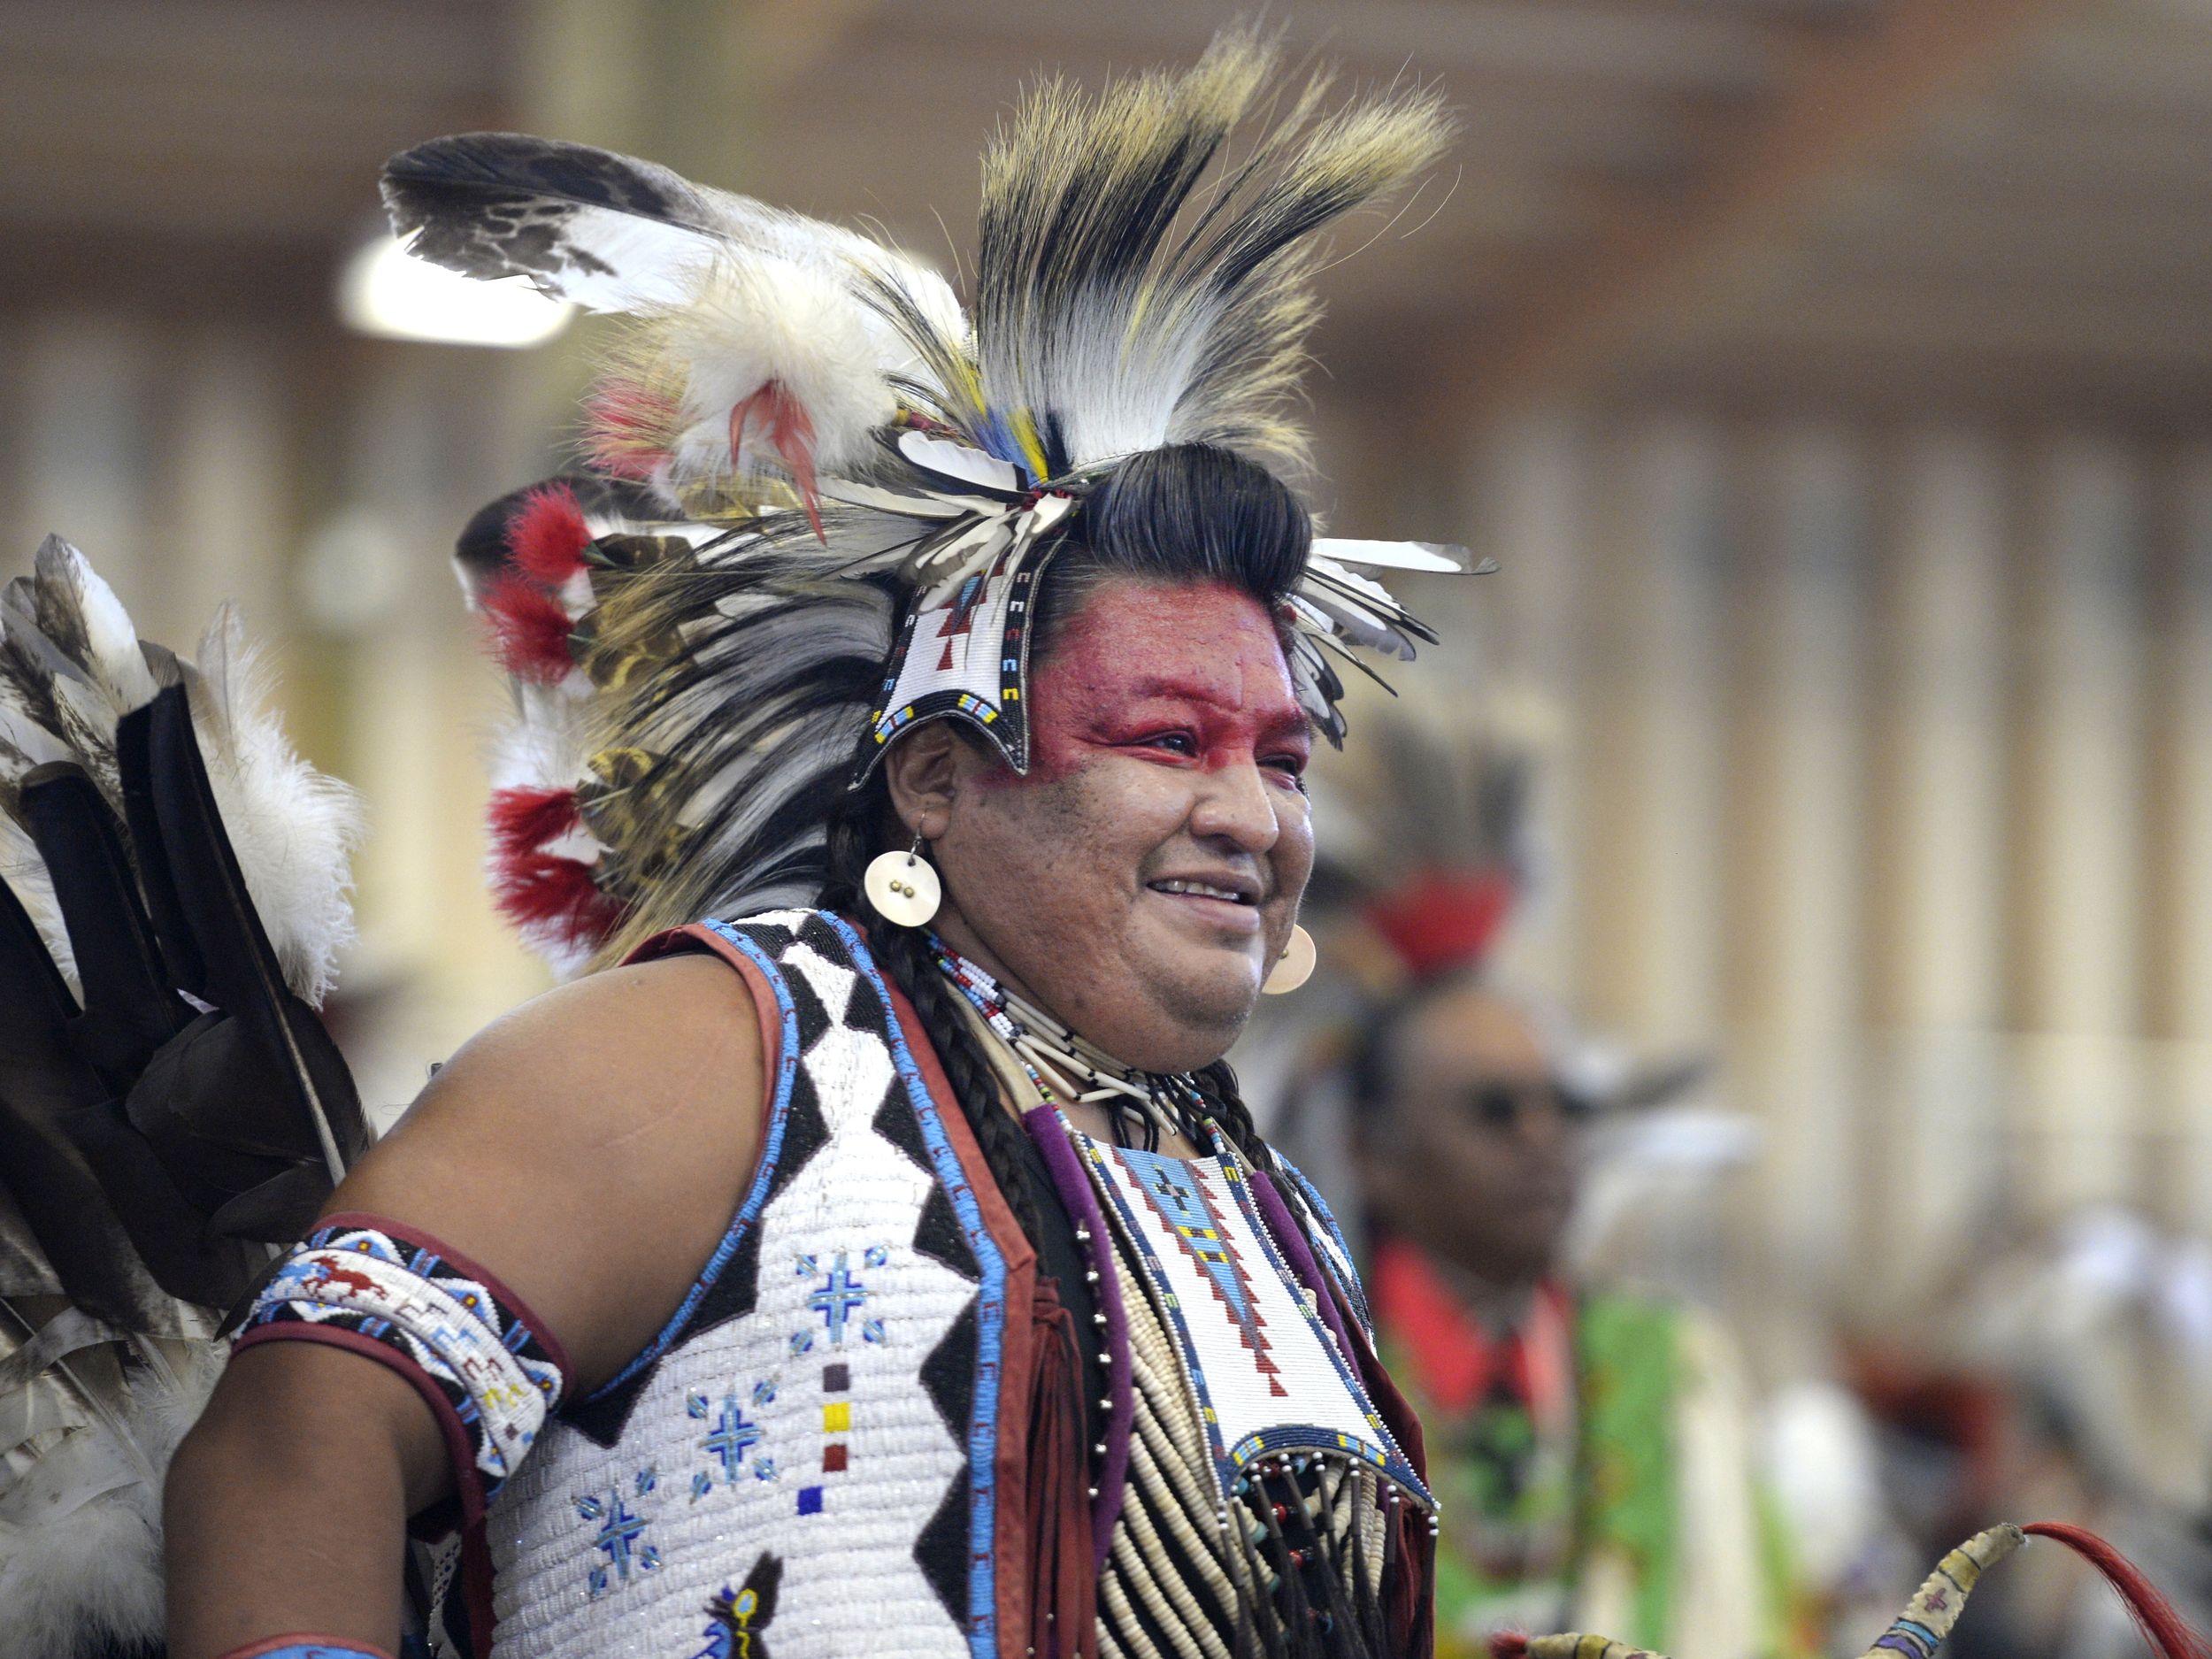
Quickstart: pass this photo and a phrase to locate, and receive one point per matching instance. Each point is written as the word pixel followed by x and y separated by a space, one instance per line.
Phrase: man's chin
pixel 1206 995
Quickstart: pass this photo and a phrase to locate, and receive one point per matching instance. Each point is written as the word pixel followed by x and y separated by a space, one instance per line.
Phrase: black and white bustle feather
pixel 113 1274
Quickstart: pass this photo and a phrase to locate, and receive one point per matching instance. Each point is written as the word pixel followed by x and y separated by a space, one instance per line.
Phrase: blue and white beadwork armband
pixel 491 1373
pixel 305 1646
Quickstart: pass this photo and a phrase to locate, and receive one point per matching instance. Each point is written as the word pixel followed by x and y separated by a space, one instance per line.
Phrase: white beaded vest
pixel 807 1451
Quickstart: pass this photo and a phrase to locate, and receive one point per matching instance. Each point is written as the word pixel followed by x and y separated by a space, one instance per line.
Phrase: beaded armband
pixel 492 1374
pixel 297 1647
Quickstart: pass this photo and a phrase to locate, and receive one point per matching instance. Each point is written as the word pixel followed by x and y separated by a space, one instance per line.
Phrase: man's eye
pixel 1174 742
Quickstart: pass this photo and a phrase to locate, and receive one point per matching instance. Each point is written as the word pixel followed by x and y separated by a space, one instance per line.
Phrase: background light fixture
pixel 385 291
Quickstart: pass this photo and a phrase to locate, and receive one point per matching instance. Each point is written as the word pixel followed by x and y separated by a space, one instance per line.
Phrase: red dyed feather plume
pixel 530 629
pixel 547 536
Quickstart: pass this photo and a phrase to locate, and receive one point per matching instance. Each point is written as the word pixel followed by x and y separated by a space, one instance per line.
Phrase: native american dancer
pixel 1588 1449
pixel 870 1253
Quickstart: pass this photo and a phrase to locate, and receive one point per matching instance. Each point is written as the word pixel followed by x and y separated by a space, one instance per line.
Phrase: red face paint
pixel 1166 745
pixel 1183 674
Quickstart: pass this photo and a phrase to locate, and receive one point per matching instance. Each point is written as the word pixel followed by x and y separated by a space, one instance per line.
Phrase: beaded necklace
pixel 1066 1068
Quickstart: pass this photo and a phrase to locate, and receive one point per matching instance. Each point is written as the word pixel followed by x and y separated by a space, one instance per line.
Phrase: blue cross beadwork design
pixel 731 1437
pixel 839 1298
pixel 618 1539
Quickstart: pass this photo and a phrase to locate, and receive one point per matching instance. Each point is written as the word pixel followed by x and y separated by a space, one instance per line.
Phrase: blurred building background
pixel 1831 379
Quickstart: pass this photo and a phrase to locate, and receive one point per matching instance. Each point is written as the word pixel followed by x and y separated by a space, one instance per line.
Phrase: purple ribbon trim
pixel 1074 1188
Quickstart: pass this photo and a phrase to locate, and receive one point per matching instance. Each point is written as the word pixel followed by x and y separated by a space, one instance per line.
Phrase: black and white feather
pixel 102 1369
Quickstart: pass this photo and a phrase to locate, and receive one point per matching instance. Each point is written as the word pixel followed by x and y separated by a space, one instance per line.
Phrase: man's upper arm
pixel 588 1149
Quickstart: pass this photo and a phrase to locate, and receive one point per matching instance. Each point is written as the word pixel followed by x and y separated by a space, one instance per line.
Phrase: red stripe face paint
pixel 1185 675
pixel 1143 877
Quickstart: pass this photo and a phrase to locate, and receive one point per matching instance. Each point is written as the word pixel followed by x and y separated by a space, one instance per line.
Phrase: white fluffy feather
pixel 753 321
pixel 81 1571
pixel 294 829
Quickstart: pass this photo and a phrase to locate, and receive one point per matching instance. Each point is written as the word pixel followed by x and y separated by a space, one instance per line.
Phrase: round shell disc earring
pixel 904 889
pixel 1293 967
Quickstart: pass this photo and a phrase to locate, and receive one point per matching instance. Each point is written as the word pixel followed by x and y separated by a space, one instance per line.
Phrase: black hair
pixel 1188 512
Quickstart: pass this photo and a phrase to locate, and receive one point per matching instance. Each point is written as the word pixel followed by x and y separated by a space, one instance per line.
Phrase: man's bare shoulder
pixel 589 1147
pixel 675 1031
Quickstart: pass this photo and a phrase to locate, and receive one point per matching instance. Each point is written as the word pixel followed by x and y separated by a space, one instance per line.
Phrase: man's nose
pixel 1234 806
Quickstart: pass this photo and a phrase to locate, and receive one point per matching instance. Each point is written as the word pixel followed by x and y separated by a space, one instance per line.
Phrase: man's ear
pixel 922 773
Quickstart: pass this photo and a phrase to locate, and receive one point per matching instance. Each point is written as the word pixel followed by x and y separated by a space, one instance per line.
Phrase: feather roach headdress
pixel 820 494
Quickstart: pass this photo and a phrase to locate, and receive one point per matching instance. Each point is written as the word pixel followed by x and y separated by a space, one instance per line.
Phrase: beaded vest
pixel 808 1460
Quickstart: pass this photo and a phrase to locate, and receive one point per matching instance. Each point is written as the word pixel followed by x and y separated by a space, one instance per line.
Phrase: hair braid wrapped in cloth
pixel 1935 1607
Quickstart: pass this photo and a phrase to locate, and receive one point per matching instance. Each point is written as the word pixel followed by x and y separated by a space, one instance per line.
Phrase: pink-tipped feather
pixel 783 423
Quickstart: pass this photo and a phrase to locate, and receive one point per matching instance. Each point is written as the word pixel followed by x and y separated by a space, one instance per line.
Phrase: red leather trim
pixel 695 937
pixel 513 1304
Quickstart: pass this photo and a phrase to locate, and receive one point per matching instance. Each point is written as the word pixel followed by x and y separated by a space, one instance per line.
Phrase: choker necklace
pixel 1067 1069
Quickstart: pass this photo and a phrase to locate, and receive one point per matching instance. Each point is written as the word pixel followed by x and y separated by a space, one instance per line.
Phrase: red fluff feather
pixel 2165 1629
pixel 546 534
pixel 1508 1644
pixel 1444 920
pixel 538 890
pixel 530 629
pixel 523 819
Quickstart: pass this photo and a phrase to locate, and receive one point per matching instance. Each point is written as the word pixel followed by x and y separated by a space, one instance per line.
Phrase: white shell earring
pixel 1293 967
pixel 903 886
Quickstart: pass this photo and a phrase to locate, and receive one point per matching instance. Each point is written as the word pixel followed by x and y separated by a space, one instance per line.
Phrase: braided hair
pixel 904 954
pixel 1187 512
